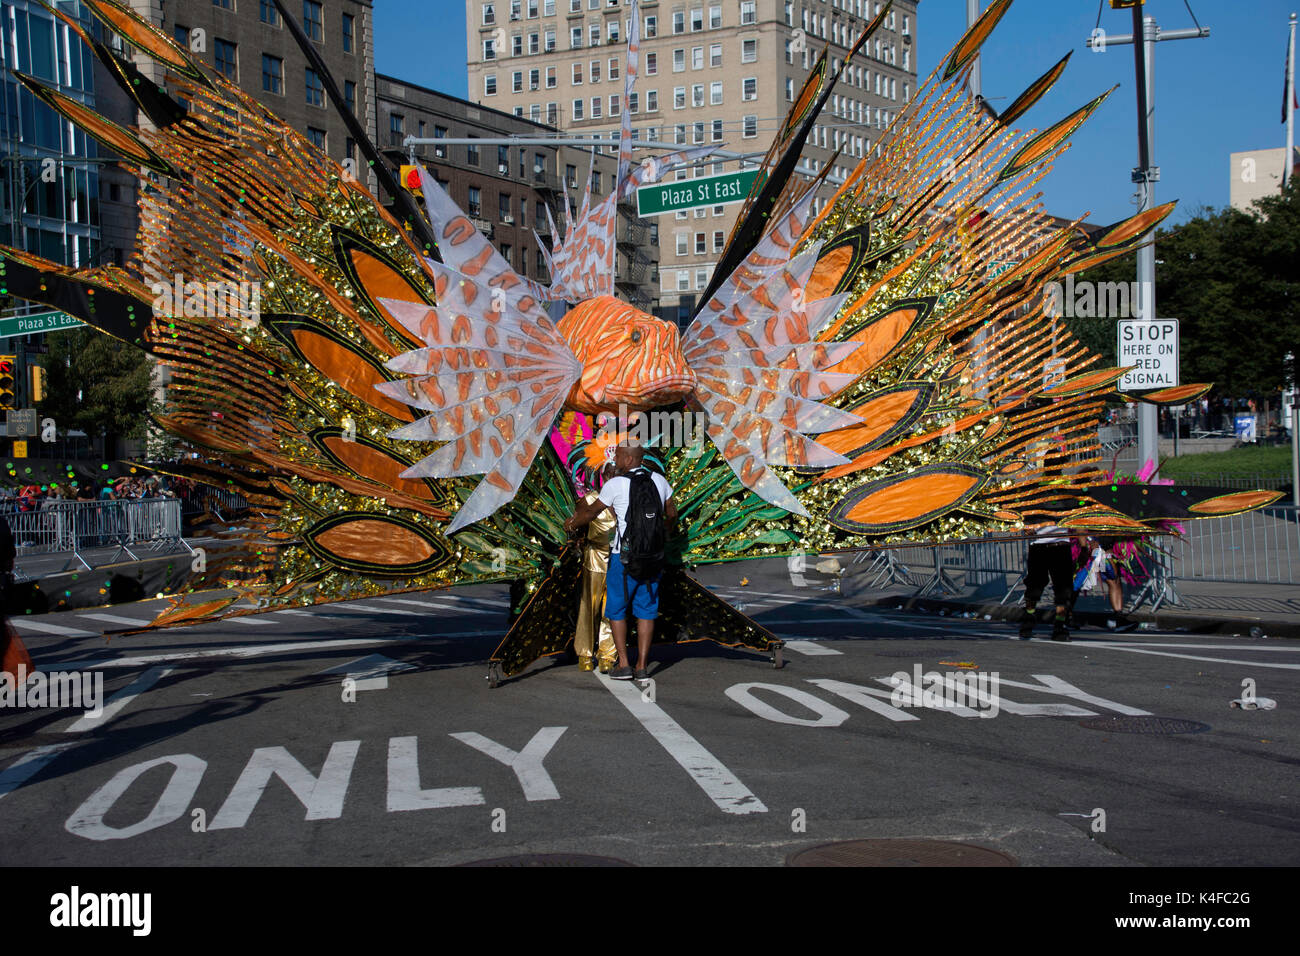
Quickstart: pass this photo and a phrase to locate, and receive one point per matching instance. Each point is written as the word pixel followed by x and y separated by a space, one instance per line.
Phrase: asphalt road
pixel 365 733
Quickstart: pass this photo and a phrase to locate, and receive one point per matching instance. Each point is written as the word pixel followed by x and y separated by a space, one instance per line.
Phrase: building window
pixel 698 133
pixel 315 89
pixel 575 38
pixel 679 97
pixel 613 67
pixel 267 13
pixel 749 88
pixel 489 13
pixel 715 54
pixel 701 246
pixel 611 30
pixel 718 240
pixel 715 93
pixel 534 44
pixel 552 114
pixel 593 34
pixel 396 129
pixel 697 58
pixel 615 105
pixel 490 84
pixel 697 95
pixel 471 153
pixel 679 21
pixel 596 107
pixel 633 106
pixel 489 48
pixel 316 137
pixel 313 20
pixel 577 74
pixel 350 99
pixel 226 61
pixel 348 22
pixel 748 12
pixel 679 60
pixel 440 132
pixel 681 243
pixel 507 252
pixel 749 127
pixel 517 45
pixel 651 27
pixel 224 4
pixel 715 17
pixel 651 64
pixel 549 44
pixel 550 78
pixel 577 109
pixel 701 278
pixel 534 79
pixel 717 131
pixel 683 280
pixel 789 89
pixel 748 50
pixel 652 104
pixel 272 74
pixel 503 207
pixel 517 81
pixel 475 201
pixel 595 71
pixel 697 20
pixel 679 134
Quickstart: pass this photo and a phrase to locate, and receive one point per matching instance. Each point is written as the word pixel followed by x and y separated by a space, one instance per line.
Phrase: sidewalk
pixel 1203 607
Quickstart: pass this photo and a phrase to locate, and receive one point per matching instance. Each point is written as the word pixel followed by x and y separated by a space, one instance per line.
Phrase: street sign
pixel 36 323
pixel 692 193
pixel 20 449
pixel 1151 347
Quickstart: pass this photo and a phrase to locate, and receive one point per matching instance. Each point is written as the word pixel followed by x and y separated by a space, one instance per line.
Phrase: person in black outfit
pixel 1049 558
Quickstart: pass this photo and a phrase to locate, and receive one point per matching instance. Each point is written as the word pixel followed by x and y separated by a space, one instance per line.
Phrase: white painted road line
pixel 23 624
pixel 116 619
pixel 370 673
pixel 371 609
pixel 28 765
pixel 811 648
pixel 256 621
pixel 1187 657
pixel 719 783
pixel 113 706
pixel 434 605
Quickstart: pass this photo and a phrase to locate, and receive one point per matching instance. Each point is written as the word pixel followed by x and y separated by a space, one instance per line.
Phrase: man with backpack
pixel 642 502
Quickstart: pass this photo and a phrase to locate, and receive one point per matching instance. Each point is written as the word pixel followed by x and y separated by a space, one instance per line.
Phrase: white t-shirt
pixel 615 494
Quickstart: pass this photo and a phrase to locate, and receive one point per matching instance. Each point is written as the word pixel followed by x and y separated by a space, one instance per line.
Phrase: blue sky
pixel 1213 96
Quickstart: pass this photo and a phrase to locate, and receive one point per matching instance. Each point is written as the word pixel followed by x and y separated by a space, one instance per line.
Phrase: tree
pixel 1231 279
pixel 98 385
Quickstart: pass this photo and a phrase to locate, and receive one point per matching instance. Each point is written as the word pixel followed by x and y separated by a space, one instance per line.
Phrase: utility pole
pixel 973 14
pixel 1144 37
pixel 1290 108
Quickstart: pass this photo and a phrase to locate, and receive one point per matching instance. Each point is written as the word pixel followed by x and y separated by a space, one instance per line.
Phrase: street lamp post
pixel 1145 176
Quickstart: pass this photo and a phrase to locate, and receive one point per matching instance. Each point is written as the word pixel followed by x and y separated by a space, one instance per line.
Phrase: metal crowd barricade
pixel 78 527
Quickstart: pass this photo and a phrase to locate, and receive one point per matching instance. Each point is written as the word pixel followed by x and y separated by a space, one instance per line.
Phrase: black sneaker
pixel 1026 629
pixel 621 673
pixel 1060 633
pixel 642 675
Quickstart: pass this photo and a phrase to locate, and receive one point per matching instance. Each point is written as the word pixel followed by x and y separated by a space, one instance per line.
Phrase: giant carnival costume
pixel 405 411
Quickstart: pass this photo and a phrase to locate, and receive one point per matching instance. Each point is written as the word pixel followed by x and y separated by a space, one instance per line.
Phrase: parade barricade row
pixel 77 527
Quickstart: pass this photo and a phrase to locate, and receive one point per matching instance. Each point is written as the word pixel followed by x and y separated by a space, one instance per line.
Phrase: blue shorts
pixel 642 595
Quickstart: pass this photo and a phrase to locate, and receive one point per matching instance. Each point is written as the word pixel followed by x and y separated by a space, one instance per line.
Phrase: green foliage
pixel 1232 281
pixel 97 384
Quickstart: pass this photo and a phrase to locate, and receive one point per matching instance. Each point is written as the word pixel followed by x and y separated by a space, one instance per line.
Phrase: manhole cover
pixel 551 859
pixel 899 853
pixel 1145 725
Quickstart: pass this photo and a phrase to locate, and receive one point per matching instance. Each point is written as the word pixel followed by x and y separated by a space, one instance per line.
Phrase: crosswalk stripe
pixel 116 619
pixel 811 648
pixel 114 704
pixel 28 765
pixel 41 626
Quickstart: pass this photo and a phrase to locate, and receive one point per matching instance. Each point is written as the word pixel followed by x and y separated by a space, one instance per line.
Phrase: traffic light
pixel 410 176
pixel 7 365
pixel 38 383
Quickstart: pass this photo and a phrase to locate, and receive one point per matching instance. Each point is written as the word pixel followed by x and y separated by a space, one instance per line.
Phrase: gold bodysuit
pixel 593 628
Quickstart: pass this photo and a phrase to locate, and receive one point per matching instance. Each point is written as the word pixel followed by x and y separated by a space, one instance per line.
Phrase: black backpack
pixel 642 546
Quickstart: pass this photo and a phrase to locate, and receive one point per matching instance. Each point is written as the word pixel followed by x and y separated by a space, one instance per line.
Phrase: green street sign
pixel 36 323
pixel 693 193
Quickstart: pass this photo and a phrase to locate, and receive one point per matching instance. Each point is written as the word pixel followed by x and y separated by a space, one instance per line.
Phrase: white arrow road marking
pixel 25 625
pixel 719 783
pixel 371 673
pixel 113 706
pixel 28 765
pixel 811 648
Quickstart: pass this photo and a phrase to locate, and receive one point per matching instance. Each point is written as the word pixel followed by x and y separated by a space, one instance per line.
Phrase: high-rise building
pixel 722 72
pixel 507 189
pixel 1257 173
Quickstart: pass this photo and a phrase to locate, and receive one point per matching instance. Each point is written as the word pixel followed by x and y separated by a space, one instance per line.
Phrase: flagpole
pixel 1287 160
